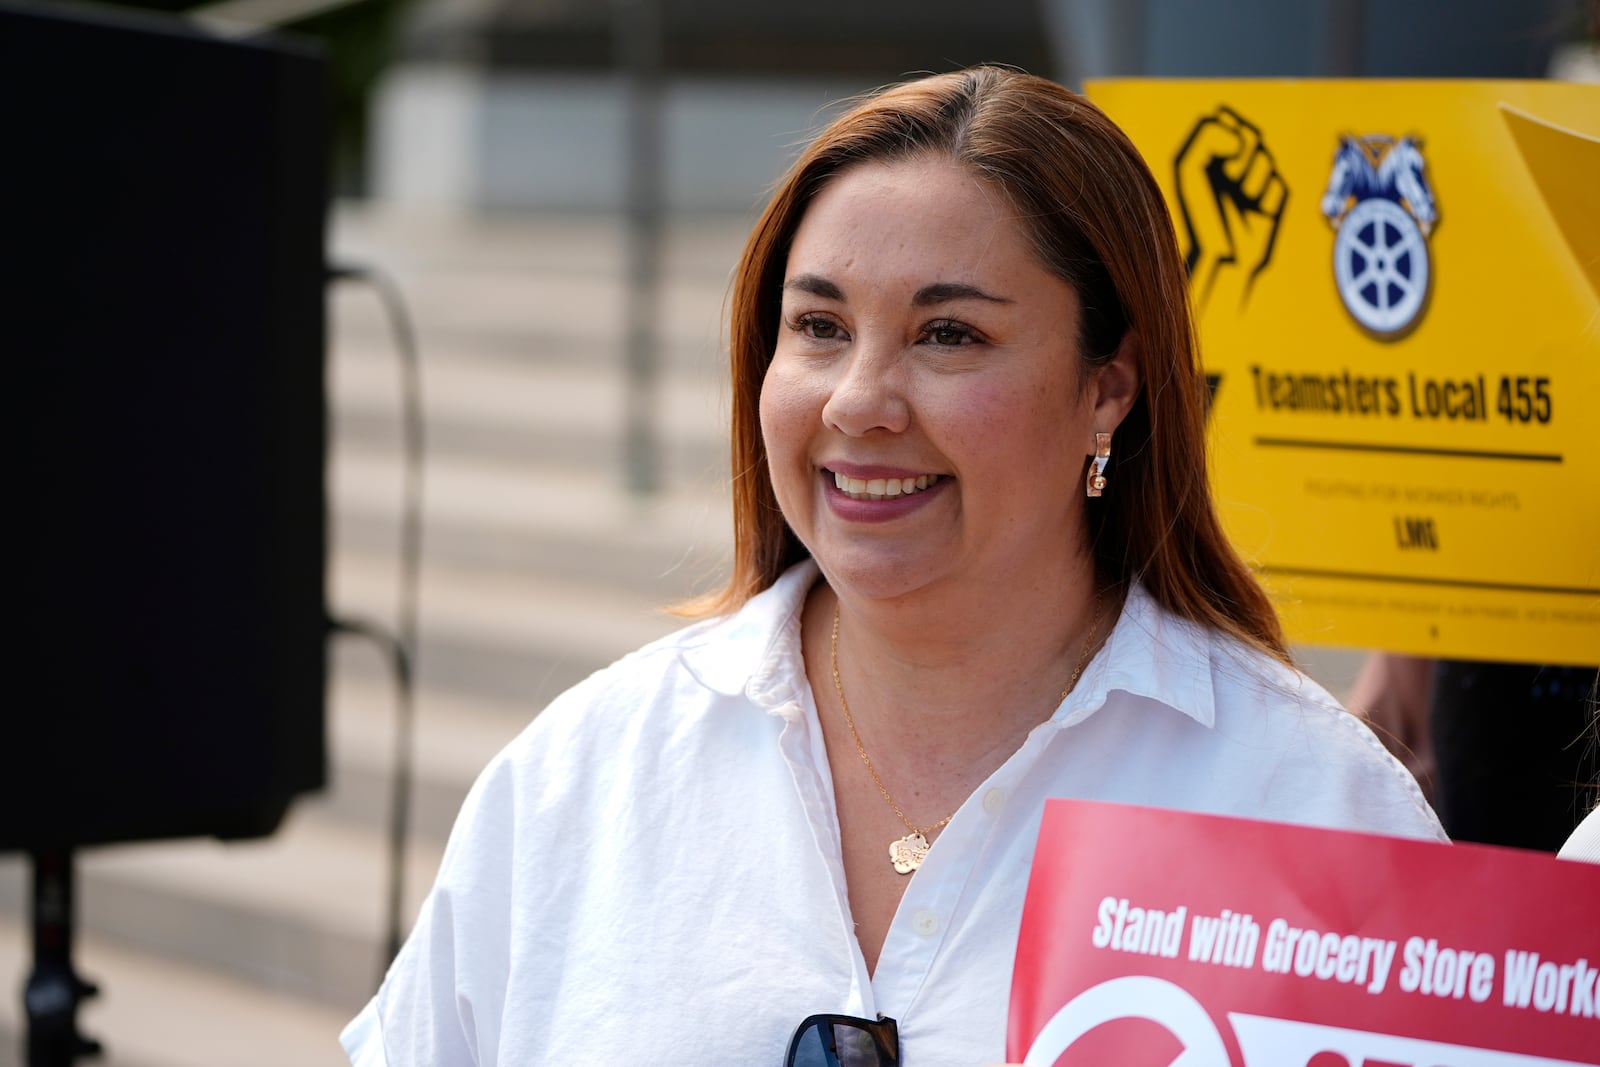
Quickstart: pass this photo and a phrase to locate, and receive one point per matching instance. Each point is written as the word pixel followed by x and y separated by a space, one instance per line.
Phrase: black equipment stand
pixel 54 989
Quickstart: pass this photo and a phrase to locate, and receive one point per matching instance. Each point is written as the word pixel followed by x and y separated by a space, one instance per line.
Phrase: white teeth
pixel 881 488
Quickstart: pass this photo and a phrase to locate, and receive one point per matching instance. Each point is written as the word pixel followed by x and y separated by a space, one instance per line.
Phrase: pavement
pixel 540 566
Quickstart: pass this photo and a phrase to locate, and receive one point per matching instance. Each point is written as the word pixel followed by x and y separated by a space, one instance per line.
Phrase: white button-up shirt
pixel 651 872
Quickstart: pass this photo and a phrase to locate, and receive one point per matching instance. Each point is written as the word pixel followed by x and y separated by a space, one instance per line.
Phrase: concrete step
pixel 537 288
pixel 454 737
pixel 299 913
pixel 573 414
pixel 154 1011
pixel 536 626
pixel 530 519
pixel 554 320
pixel 699 244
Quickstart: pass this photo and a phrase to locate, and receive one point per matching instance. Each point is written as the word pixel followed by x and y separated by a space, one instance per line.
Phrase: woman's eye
pixel 949 333
pixel 819 328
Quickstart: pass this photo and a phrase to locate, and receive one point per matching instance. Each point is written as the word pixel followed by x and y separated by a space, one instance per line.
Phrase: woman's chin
pixel 882 576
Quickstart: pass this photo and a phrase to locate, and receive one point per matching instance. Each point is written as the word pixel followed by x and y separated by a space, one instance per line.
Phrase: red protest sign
pixel 1154 938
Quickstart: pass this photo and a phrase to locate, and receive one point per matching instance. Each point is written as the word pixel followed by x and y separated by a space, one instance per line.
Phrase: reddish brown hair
pixel 1097 220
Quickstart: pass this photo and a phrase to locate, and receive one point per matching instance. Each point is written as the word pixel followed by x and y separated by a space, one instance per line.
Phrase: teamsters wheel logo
pixel 1381 206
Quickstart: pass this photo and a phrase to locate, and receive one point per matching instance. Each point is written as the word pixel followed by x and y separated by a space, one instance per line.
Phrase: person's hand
pixel 1232 200
pixel 1392 693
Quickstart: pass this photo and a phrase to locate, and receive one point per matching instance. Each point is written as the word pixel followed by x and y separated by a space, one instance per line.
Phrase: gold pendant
pixel 907 853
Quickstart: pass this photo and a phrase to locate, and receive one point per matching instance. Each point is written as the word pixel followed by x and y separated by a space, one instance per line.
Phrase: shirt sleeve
pixel 423 1014
pixel 438 1005
pixel 1584 844
pixel 362 1039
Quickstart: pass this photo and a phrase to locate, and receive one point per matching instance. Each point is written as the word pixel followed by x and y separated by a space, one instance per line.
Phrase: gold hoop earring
pixel 1097 468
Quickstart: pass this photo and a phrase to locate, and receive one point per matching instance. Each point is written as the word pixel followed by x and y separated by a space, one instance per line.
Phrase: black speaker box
pixel 163 197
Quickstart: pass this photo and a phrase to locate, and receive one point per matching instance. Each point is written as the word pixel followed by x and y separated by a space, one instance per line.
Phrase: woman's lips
pixel 867 499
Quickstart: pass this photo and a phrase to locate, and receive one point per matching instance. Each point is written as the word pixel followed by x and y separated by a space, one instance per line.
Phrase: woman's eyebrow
pixel 927 296
pixel 939 292
pixel 816 285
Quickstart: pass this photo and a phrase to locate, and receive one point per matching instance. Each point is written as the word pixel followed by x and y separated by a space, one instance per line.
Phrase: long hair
pixel 1095 218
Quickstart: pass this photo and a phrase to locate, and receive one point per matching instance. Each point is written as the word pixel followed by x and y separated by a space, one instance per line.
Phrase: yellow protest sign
pixel 1397 286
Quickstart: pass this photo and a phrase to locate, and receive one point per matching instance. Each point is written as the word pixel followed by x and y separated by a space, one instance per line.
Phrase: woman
pixel 977 566
pixel 1584 842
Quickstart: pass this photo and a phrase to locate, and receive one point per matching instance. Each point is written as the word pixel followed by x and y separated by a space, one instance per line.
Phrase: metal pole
pixel 639 48
pixel 1096 39
pixel 1343 29
pixel 54 989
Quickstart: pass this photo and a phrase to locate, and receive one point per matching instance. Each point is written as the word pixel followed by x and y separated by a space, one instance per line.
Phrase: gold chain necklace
pixel 906 853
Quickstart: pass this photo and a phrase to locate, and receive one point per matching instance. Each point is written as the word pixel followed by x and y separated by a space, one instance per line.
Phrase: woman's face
pixel 922 413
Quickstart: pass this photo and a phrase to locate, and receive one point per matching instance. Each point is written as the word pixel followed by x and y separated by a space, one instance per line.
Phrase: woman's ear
pixel 1116 384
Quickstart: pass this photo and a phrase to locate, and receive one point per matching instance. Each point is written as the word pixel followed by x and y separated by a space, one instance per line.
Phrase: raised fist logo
pixel 1232 198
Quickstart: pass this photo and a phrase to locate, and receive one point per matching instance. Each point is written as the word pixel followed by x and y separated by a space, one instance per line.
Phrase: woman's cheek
pixel 790 402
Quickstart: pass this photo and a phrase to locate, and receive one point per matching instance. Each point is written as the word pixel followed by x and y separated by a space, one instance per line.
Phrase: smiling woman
pixel 977 566
pixel 922 340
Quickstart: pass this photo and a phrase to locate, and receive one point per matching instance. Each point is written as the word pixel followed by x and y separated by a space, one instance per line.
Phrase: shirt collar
pixel 1153 654
pixel 756 651
pixel 1150 653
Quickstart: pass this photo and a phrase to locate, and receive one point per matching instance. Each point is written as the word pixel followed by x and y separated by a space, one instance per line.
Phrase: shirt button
pixel 925 923
pixel 994 800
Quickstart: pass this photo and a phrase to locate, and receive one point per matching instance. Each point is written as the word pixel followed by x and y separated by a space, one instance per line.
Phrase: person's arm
pixel 1392 693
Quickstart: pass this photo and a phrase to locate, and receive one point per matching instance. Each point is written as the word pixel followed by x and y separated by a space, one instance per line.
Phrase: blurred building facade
pixel 527 104
pixel 498 104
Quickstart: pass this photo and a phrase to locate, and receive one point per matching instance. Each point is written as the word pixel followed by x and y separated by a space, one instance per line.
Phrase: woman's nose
pixel 869 392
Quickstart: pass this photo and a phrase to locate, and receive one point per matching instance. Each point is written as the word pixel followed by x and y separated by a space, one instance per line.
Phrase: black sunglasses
pixel 844 1041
